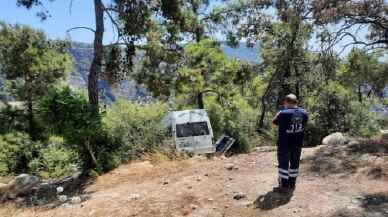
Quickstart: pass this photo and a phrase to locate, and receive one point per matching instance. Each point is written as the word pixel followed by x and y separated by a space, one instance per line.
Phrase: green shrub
pixel 55 160
pixel 333 107
pixel 236 119
pixel 137 128
pixel 328 107
pixel 16 151
pixel 362 121
pixel 11 119
pixel 67 113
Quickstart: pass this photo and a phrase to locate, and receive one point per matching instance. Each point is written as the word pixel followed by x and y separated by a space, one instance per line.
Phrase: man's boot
pixel 292 183
pixel 283 187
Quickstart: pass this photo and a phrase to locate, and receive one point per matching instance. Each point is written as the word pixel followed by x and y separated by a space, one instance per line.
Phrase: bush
pixel 16 151
pixel 362 121
pixel 237 119
pixel 55 160
pixel 19 154
pixel 334 108
pixel 328 107
pixel 11 119
pixel 137 128
pixel 67 113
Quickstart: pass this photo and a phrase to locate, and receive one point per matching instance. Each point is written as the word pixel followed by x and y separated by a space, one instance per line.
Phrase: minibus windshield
pixel 192 129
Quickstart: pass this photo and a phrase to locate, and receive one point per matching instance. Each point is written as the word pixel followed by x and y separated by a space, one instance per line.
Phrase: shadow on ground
pixel 348 158
pixel 47 196
pixel 372 205
pixel 272 200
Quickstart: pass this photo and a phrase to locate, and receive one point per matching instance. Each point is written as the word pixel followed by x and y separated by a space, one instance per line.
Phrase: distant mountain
pixel 83 54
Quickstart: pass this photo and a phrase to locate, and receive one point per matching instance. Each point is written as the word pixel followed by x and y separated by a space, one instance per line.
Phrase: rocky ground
pixel 342 181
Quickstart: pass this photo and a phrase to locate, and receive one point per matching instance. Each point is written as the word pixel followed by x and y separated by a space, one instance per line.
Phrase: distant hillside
pixel 82 54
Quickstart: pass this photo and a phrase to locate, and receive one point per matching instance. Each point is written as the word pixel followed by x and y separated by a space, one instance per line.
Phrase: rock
pixel 246 203
pixel 334 139
pixel 231 167
pixel 76 200
pixel 193 206
pixel 59 189
pixel 239 195
pixel 356 202
pixel 165 182
pixel 384 134
pixel 134 196
pixel 22 184
pixel 3 188
pixel 62 198
pixel 210 199
pixel 199 179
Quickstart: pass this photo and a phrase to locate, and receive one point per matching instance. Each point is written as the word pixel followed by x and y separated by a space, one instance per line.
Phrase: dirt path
pixel 205 188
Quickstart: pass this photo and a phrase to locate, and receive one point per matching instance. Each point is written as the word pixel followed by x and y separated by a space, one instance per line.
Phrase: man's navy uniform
pixel 291 122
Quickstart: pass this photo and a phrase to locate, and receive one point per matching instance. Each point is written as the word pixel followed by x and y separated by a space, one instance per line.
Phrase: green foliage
pixel 137 128
pixel 16 151
pixel 54 160
pixel 48 159
pixel 31 64
pixel 362 121
pixel 31 60
pixel 12 118
pixel 208 70
pixel 362 71
pixel 68 113
pixel 328 106
pixel 235 118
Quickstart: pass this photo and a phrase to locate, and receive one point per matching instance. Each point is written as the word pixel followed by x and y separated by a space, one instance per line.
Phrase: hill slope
pixel 239 186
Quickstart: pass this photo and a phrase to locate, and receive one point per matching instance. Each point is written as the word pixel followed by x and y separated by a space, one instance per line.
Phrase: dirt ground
pixel 201 187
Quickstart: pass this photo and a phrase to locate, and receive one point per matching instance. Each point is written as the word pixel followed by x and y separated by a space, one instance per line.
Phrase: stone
pixel 134 196
pixel 59 189
pixel 239 195
pixel 62 198
pixel 334 139
pixel 76 200
pixel 193 206
pixel 231 166
pixel 384 134
pixel 22 184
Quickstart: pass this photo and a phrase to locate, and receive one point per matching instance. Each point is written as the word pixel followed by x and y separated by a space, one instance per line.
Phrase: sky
pixel 62 18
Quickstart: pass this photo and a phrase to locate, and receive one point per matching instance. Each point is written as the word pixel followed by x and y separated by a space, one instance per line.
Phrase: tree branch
pixel 80 27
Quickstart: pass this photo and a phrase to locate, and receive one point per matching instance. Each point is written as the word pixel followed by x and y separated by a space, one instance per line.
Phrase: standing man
pixel 291 122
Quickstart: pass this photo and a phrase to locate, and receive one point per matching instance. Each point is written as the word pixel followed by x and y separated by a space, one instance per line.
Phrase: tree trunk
pixel 29 105
pixel 359 93
pixel 260 123
pixel 95 68
pixel 30 117
pixel 200 101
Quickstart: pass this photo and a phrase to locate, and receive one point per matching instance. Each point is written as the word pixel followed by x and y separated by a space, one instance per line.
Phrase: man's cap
pixel 291 98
